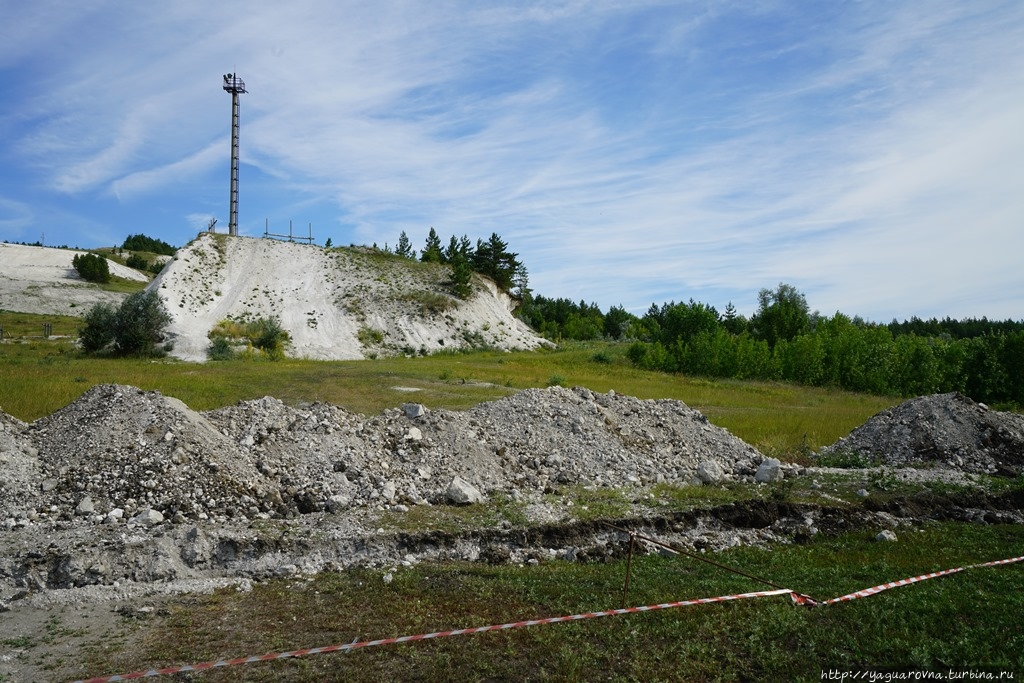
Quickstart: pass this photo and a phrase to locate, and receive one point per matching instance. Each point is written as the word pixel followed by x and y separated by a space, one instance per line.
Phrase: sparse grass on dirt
pixel 123 285
pixel 970 619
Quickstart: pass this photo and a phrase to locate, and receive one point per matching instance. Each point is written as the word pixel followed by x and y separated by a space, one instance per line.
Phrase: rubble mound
pixel 19 463
pixel 120 454
pixel 121 448
pixel 942 430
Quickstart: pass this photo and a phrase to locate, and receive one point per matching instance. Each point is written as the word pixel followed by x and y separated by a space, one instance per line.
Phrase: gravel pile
pixel 119 454
pixel 941 430
pixel 126 487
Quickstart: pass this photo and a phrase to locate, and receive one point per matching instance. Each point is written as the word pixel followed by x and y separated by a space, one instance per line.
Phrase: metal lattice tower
pixel 236 86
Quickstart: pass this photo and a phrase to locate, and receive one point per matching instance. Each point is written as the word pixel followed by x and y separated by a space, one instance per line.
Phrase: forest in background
pixel 784 340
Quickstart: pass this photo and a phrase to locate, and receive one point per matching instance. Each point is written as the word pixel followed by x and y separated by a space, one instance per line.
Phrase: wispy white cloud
pixel 632 152
pixel 15 218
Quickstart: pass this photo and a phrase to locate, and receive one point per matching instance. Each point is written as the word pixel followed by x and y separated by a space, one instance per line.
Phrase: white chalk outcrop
pixel 336 304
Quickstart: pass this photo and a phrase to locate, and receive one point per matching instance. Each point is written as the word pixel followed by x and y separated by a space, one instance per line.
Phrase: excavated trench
pixel 301 548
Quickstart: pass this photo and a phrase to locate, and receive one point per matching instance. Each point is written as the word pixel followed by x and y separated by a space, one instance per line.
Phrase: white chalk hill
pixel 336 304
pixel 43 280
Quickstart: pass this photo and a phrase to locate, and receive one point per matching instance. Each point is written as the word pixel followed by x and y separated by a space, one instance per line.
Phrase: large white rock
pixel 710 472
pixel 769 470
pixel 148 517
pixel 461 492
pixel 414 410
pixel 85 506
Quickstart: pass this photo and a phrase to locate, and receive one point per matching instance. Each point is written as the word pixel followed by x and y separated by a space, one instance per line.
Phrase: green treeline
pixel 92 267
pixel 558 319
pixel 783 340
pixel 490 258
pixel 141 242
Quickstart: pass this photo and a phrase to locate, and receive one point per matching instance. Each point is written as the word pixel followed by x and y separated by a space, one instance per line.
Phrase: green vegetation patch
pixel 970 619
pixel 261 336
pixel 779 419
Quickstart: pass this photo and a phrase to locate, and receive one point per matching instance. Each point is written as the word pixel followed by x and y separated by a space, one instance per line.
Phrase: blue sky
pixel 870 154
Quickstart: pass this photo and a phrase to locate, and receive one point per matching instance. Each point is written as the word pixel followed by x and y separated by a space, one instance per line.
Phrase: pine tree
pixel 457 247
pixel 432 249
pixel 521 283
pixel 462 277
pixel 404 248
pixel 493 259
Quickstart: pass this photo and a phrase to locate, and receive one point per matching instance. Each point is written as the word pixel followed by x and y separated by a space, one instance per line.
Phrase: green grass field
pixel 970 619
pixel 39 376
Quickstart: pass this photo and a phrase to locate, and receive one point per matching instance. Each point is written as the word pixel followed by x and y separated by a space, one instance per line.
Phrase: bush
pixel 137 262
pixel 134 329
pixel 268 336
pixel 370 337
pixel 140 324
pixel 141 242
pixel 220 349
pixel 100 328
pixel 92 267
pixel 262 334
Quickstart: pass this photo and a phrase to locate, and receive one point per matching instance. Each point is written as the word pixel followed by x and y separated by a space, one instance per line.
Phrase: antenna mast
pixel 236 86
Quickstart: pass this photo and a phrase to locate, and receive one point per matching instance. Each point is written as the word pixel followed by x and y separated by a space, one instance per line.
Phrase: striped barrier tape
pixel 903 582
pixel 797 598
pixel 347 647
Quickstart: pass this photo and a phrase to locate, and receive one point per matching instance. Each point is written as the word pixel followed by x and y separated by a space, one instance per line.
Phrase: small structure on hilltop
pixel 291 236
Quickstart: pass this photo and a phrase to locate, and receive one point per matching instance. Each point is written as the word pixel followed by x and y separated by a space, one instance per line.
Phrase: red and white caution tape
pixel 904 582
pixel 428 636
pixel 798 598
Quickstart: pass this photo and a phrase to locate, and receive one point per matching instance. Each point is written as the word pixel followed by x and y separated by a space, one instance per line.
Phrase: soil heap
pixel 941 430
pixel 119 453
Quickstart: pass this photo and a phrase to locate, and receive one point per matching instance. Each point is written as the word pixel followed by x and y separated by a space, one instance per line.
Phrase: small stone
pixel 769 470
pixel 863 493
pixel 85 506
pixel 414 434
pixel 148 517
pixel 114 516
pixel 337 503
pixel 886 536
pixel 414 410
